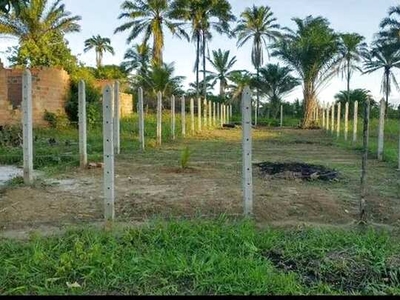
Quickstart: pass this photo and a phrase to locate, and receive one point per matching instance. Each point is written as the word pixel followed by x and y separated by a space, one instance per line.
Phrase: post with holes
pixel 247 173
pixel 141 119
pixel 117 118
pixel 346 121
pixel 214 114
pixel 333 118
pixel 183 115
pixel 108 153
pixel 159 119
pixel 82 124
pixel 192 127
pixel 355 122
pixel 338 120
pixel 199 113
pixel 381 130
pixel 173 118
pixel 281 115
pixel 27 130
pixel 364 161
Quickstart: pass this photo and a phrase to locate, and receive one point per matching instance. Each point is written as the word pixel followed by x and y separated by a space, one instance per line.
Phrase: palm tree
pixel 390 25
pixel 312 51
pixel 223 64
pixel 352 49
pixel 16 5
pixel 240 80
pixel 276 82
pixel 150 17
pixel 137 58
pixel 360 95
pixel 204 15
pixel 37 19
pixel 384 56
pixel 259 25
pixel 100 45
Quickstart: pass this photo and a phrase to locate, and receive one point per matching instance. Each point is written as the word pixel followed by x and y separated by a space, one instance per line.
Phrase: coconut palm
pixel 239 81
pixel 352 50
pixel 360 95
pixel 137 58
pixel 100 45
pixel 204 16
pixel 391 25
pixel 150 17
pixel 312 51
pixel 222 64
pixel 38 19
pixel 386 57
pixel 275 83
pixel 258 25
pixel 7 5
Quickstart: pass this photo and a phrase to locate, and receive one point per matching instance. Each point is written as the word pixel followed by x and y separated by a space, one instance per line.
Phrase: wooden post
pixel 192 127
pixel 247 181
pixel 281 116
pixel 141 119
pixel 346 121
pixel 364 161
pixel 117 118
pixel 27 131
pixel 381 130
pixel 338 120
pixel 159 118
pixel 173 118
pixel 199 113
pixel 355 122
pixel 82 124
pixel 108 146
pixel 183 116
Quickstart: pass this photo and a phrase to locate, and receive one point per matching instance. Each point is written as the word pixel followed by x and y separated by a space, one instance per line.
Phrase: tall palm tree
pixel 259 25
pixel 203 16
pixel 222 64
pixel 16 5
pixel 352 50
pixel 137 58
pixel 38 19
pixel 239 81
pixel 391 25
pixel 386 57
pixel 312 51
pixel 100 45
pixel 150 17
pixel 276 82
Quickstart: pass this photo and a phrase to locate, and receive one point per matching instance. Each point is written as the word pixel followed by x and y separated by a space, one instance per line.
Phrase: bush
pixel 185 156
pixel 56 120
pixel 10 136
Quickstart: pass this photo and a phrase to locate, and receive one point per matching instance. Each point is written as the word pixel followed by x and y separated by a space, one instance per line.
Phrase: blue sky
pixel 361 16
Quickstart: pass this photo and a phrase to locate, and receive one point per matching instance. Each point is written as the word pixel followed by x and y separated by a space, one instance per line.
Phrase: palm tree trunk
pixel 204 66
pixel 197 65
pixel 258 99
pixel 97 59
pixel 348 80
pixel 387 92
pixel 309 103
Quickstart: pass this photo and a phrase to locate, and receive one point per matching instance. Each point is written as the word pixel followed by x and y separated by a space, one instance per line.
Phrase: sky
pixel 361 16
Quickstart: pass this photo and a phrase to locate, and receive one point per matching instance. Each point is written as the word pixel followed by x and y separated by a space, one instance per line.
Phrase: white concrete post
pixel 323 118
pixel 328 124
pixel 281 116
pixel 338 120
pixel 205 113
pixel 355 122
pixel 183 115
pixel 108 153
pixel 247 172
pixel 117 118
pixel 346 121
pixel 333 118
pixel 209 114
pixel 381 130
pixel 399 152
pixel 159 118
pixel 214 114
pixel 231 112
pixel 192 127
pixel 141 119
pixel 27 131
pixel 82 124
pixel 199 113
pixel 173 118
pixel 221 115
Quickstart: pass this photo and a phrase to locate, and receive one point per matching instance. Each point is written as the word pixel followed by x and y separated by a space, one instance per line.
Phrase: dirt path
pixel 151 184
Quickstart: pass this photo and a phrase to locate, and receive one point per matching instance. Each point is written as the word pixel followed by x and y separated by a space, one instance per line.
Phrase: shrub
pixel 56 120
pixel 10 136
pixel 185 156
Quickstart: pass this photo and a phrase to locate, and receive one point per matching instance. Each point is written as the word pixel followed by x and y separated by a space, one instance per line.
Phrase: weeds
pixel 185 156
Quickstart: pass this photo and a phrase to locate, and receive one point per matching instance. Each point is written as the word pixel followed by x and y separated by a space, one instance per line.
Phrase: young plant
pixel 185 156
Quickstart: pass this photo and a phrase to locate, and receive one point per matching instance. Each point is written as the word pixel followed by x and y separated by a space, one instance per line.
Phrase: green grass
pixel 203 258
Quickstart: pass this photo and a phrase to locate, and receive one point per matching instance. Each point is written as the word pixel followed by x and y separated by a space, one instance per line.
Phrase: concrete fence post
pixel 159 118
pixel 247 172
pixel 281 123
pixel 173 118
pixel 183 115
pixel 210 113
pixel 199 113
pixel 355 122
pixel 205 113
pixel 333 118
pixel 338 120
pixel 117 118
pixel 231 112
pixel 346 121
pixel 381 134
pixel 82 124
pixel 27 131
pixel 327 123
pixel 141 119
pixel 218 113
pixel 192 125
pixel 221 115
pixel 108 153
pixel 214 114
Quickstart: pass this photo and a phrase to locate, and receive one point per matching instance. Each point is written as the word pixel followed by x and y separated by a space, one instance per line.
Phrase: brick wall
pixel 126 104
